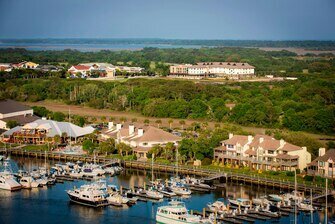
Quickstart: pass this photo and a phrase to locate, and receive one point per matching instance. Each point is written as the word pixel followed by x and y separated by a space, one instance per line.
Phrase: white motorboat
pixel 29 182
pixel 261 202
pixel 110 170
pixel 181 191
pixel 89 196
pixel 115 200
pixel 305 207
pixel 176 213
pixel 7 179
pixel 276 197
pixel 218 206
pixel 240 203
pixel 153 194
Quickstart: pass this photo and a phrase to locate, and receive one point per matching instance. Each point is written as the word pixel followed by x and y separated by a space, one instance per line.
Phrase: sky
pixel 169 19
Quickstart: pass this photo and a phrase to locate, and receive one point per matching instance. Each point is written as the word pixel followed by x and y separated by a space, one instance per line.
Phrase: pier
pixel 207 175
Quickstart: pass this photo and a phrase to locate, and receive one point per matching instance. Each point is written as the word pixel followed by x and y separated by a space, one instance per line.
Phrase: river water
pixel 51 204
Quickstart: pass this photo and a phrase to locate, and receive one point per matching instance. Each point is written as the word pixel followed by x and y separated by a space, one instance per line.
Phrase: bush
pixel 274 172
pixel 308 178
pixel 290 173
pixel 206 162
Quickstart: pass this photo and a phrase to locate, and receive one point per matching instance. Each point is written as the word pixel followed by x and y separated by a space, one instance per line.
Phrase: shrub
pixel 206 162
pixel 274 172
pixel 290 173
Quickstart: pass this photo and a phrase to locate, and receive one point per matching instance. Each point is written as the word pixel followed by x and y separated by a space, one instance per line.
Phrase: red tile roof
pixel 81 67
pixel 289 147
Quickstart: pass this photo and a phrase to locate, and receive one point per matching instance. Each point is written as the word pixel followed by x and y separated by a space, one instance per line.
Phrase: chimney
pixel 261 139
pixel 250 138
pixel 231 135
pixel 110 125
pixel 140 132
pixel 118 127
pixel 131 129
pixel 322 151
pixel 282 142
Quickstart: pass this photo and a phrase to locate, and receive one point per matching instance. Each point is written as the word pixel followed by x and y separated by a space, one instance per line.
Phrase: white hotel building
pixel 231 70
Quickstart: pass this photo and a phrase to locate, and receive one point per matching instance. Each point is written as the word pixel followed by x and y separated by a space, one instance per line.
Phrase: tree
pixel 158 122
pixel 122 147
pixel 146 121
pixel 123 119
pixel 133 120
pixel 103 119
pixel 107 146
pixel 170 123
pixel 88 146
pixel 11 124
pixel 182 123
pixel 58 116
pixel 57 140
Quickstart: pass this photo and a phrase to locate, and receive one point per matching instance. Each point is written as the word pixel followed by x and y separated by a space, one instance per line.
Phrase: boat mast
pixel 295 196
pixel 326 211
pixel 177 162
pixel 152 168
pixel 311 205
pixel 70 126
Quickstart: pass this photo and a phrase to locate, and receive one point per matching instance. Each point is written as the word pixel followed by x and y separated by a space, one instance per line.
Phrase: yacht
pixel 240 202
pixel 275 197
pixel 218 206
pixel 180 190
pixel 7 179
pixel 176 213
pixel 261 201
pixel 29 182
pixel 194 183
pixel 89 196
pixel 153 194
pixel 115 200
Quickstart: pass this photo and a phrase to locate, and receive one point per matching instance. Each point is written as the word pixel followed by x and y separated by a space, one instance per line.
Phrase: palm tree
pixel 111 119
pixel 158 122
pixel 123 119
pixel 93 119
pixel 133 120
pixel 57 139
pixel 64 136
pixel 103 119
pixel 182 123
pixel 170 123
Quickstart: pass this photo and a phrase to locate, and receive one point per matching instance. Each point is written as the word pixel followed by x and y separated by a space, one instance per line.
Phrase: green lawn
pixel 36 147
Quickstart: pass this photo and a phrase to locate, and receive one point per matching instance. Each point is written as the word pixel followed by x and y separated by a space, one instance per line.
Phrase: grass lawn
pixel 35 147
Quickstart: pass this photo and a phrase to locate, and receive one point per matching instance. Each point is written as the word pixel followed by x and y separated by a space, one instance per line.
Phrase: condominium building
pixel 231 70
pixel 140 138
pixel 324 164
pixel 262 152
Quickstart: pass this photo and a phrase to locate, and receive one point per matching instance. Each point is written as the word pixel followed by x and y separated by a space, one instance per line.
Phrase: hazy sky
pixel 183 19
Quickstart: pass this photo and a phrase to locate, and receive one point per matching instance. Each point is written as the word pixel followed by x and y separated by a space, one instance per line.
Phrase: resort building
pixel 230 70
pixel 324 164
pixel 11 110
pixel 141 139
pixel 102 69
pixel 43 130
pixel 262 152
pixel 5 67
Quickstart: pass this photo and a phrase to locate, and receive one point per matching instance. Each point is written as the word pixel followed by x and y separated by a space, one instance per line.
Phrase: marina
pixel 135 186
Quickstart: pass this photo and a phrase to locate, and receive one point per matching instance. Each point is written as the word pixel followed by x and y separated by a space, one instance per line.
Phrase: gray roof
pixel 22 119
pixel 10 106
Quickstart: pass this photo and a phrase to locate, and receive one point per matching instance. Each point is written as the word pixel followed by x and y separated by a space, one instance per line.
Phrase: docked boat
pixel 115 200
pixel 166 191
pixel 176 213
pixel 7 179
pixel 197 184
pixel 275 197
pixel 153 194
pixel 89 196
pixel 240 202
pixel 305 207
pixel 261 202
pixel 29 182
pixel 218 206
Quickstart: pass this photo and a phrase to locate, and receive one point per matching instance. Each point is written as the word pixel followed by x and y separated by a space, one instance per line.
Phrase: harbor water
pixel 52 205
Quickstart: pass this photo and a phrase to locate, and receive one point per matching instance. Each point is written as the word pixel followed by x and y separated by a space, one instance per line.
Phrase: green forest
pixel 300 105
pixel 154 60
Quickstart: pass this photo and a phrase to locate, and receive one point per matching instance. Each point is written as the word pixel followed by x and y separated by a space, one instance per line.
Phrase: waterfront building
pixel 324 164
pixel 11 110
pixel 262 152
pixel 43 130
pixel 140 138
pixel 230 70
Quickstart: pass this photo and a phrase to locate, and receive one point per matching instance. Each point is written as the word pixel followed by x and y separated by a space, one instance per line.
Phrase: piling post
pixel 204 213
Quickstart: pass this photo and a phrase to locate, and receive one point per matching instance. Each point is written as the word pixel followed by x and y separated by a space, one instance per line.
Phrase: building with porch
pixel 140 138
pixel 262 152
pixel 324 164
pixel 43 130
pixel 11 110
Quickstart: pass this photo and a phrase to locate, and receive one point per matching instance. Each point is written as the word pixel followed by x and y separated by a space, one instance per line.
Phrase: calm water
pixel 51 204
pixel 90 47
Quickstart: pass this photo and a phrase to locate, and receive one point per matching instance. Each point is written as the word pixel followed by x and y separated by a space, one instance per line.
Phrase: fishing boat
pixel 29 182
pixel 240 202
pixel 176 213
pixel 7 179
